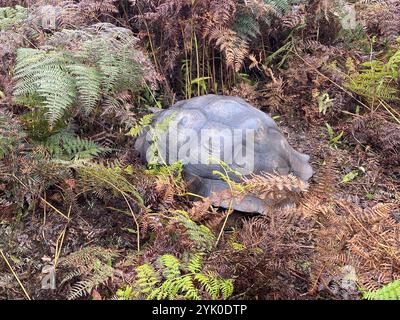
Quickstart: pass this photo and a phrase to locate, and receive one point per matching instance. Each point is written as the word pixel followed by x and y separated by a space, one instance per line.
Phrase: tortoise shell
pixel 219 118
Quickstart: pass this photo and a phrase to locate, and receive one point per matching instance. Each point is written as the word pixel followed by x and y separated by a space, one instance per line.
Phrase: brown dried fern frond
pixel 96 8
pixel 234 48
pixel 273 92
pixel 247 92
pixel 380 133
pixel 267 249
pixel 367 239
pixel 204 213
pixel 380 17
pixel 269 186
pixel 293 19
pixel 325 181
pixel 166 192
pixel 223 11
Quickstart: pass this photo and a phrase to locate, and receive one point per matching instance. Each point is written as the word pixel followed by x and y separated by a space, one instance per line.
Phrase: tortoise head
pixel 300 165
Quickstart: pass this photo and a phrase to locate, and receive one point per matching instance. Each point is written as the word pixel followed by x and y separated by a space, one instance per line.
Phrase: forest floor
pixel 31 240
pixel 78 207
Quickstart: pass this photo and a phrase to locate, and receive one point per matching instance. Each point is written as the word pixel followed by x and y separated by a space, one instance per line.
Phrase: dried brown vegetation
pixel 75 198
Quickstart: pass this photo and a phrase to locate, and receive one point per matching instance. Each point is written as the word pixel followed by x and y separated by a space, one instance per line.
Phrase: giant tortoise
pixel 211 133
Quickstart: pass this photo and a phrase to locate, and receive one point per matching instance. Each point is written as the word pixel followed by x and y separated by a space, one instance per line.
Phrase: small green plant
pixel 142 125
pixel 376 79
pixel 370 196
pixel 353 174
pixel 334 139
pixel 156 157
pixel 377 82
pixel 154 133
pixel 125 294
pixel 99 178
pixel 324 102
pixel 201 84
pixel 389 292
pixel 350 176
pixel 172 279
pixel 66 146
pixel 172 172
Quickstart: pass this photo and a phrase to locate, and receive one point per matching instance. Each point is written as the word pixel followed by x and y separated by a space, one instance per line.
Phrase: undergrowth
pixel 76 91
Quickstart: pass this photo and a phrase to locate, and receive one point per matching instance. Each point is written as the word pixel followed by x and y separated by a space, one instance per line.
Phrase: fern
pixel 171 282
pixel 266 10
pixel 233 47
pixel 66 146
pixel 100 275
pixel 44 75
pixel 167 173
pixel 103 64
pixel 142 125
pixel 93 265
pixel 101 178
pixel 201 236
pixel 88 84
pixel 377 80
pixel 147 278
pixel 11 134
pixel 115 62
pixel 195 263
pixel 233 42
pixel 10 17
pixel 389 292
pixel 246 27
pixel 171 266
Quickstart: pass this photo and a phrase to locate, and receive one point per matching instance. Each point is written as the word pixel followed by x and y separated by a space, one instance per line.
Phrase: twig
pixel 15 275
pixel 55 209
pixel 60 241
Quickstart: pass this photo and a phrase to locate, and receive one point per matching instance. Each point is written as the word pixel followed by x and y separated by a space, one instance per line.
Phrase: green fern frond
pixel 214 286
pixel 44 74
pixel 192 293
pixel 281 6
pixel 227 288
pixel 377 80
pixel 246 27
pixel 173 171
pixel 87 256
pixel 101 64
pixel 116 64
pixel 142 125
pixel 196 263
pixel 270 8
pixel 58 90
pixel 99 177
pixel 171 266
pixel 98 277
pixel 201 236
pixel 175 284
pixel 147 278
pixel 10 17
pixel 71 275
pixel 88 83
pixel 389 292
pixel 66 146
